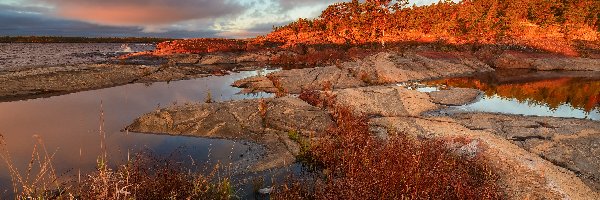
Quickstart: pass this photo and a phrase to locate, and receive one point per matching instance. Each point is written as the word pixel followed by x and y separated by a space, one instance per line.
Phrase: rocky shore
pixel 46 81
pixel 377 68
pixel 536 157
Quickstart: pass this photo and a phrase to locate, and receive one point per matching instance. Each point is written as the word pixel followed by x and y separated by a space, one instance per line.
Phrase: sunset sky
pixel 155 18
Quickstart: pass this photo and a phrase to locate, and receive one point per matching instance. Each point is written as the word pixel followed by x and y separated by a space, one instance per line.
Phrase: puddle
pixel 69 124
pixel 555 94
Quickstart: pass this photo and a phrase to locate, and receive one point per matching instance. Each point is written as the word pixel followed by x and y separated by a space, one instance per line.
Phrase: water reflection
pixel 499 104
pixel 559 94
pixel 69 124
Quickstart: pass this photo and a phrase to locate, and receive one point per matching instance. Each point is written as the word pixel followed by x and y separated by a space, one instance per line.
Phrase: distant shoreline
pixel 60 39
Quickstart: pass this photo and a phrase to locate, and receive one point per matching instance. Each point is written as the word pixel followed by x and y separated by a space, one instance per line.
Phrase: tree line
pixel 482 21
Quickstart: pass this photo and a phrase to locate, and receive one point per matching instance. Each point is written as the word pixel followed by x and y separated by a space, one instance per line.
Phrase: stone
pixel 216 59
pixel 379 69
pixel 263 121
pixel 455 96
pixel 265 191
pixel 570 143
pixel 385 101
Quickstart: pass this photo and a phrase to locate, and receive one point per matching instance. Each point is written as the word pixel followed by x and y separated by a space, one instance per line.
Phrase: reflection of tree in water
pixel 580 93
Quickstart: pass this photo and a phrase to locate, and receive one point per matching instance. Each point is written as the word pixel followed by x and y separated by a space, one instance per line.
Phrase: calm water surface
pixel 556 94
pixel 70 124
pixel 15 55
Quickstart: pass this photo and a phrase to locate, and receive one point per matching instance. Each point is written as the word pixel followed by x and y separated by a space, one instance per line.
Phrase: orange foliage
pixel 356 165
pixel 568 27
pixel 561 26
pixel 200 46
pixel 551 25
pixel 321 55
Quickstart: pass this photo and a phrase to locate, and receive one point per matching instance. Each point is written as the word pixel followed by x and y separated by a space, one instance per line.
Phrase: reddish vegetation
pixel 318 98
pixel 281 92
pixel 149 177
pixel 357 165
pixel 579 93
pixel 567 27
pixel 322 54
pixel 551 25
pixel 201 46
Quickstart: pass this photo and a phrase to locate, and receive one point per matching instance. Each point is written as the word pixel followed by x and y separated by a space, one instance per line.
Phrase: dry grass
pixel 281 91
pixel 317 98
pixel 148 177
pixel 323 54
pixel 357 165
pixel 143 177
pixel 208 98
pixel 38 179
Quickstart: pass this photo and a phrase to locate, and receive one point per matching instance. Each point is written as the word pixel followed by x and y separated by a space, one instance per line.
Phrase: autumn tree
pixel 487 21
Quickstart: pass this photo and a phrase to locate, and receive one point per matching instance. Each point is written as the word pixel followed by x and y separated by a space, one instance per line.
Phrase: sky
pixel 155 18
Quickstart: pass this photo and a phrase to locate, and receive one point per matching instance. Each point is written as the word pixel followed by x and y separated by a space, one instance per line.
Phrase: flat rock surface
pixel 455 96
pixel 264 121
pixel 552 168
pixel 523 175
pixel 295 80
pixel 378 69
pixel 35 82
pixel 256 84
pixel 570 143
pixel 49 81
pixel 43 70
pixel 394 67
pixel 385 101
pixel 545 62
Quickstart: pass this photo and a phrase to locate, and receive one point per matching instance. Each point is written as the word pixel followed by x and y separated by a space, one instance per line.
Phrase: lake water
pixel 556 94
pixel 69 124
pixel 15 55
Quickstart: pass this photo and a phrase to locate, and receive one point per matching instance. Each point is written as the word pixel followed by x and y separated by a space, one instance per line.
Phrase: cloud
pixel 228 18
pixel 290 4
pixel 252 31
pixel 155 18
pixel 17 21
pixel 141 12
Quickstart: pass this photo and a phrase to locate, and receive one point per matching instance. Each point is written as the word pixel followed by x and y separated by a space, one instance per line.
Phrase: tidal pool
pixel 534 93
pixel 69 125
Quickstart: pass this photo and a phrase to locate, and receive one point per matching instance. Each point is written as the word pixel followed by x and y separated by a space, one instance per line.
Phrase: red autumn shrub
pixel 357 165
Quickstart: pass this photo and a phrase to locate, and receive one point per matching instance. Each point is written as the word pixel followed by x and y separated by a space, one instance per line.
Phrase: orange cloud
pixel 124 15
pixel 141 13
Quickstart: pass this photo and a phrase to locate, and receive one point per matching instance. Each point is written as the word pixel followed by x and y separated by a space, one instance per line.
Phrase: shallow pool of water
pixel 555 94
pixel 69 124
